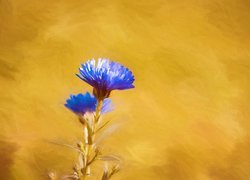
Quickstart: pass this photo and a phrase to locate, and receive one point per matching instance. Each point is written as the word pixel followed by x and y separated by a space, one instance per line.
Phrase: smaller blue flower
pixel 105 75
pixel 83 103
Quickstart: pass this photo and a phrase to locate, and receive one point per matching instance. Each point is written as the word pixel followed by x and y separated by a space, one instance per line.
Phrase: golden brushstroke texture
pixel 187 118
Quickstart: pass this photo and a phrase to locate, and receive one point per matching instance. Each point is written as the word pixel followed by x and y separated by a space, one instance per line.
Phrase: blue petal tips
pixel 104 76
pixel 83 103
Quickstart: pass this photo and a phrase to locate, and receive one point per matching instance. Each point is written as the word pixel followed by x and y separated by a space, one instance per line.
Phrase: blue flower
pixel 82 103
pixel 105 76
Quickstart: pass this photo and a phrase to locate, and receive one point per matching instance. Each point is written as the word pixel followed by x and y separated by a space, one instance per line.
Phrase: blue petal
pixel 106 106
pixel 106 75
pixel 82 103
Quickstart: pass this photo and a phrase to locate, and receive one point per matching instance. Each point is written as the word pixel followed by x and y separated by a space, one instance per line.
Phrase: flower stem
pixel 98 110
pixel 89 148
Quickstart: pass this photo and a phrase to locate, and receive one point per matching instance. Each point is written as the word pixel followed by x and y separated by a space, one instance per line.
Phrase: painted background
pixel 187 118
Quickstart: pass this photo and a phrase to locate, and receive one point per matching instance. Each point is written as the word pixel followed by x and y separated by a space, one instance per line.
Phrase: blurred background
pixel 187 118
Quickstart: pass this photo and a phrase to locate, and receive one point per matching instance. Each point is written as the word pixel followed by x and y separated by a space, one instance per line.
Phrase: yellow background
pixel 187 118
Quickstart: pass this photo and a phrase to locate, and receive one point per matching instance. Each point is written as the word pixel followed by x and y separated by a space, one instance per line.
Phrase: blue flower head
pixel 105 76
pixel 83 103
